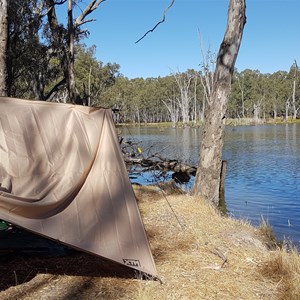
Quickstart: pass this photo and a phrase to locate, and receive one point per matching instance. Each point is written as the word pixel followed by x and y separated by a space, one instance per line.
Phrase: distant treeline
pixel 183 96
pixel 36 69
pixel 179 97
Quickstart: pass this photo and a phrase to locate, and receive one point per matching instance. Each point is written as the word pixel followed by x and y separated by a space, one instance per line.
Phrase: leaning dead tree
pixel 208 177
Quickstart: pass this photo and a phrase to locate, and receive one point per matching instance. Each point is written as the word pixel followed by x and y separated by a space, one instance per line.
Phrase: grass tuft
pixel 283 268
pixel 267 233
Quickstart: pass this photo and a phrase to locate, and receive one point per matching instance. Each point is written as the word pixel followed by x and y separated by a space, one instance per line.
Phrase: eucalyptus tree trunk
pixel 208 176
pixel 295 110
pixel 241 86
pixel 294 101
pixel 203 109
pixel 287 107
pixel 256 112
pixel 74 97
pixel 195 99
pixel 173 110
pixel 65 51
pixel 183 81
pixel 274 112
pixel 3 47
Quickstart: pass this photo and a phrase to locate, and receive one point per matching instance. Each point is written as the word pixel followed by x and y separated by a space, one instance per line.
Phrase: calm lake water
pixel 263 172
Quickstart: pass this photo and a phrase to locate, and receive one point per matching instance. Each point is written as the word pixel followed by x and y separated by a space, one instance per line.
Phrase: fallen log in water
pixel 182 172
pixel 161 164
pixel 133 155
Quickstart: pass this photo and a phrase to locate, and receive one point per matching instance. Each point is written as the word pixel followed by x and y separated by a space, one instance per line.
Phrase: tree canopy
pixel 35 69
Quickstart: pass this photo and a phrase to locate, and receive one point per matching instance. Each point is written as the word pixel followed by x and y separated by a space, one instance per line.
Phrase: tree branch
pixel 85 21
pixel 60 2
pixel 161 21
pixel 49 96
pixel 89 9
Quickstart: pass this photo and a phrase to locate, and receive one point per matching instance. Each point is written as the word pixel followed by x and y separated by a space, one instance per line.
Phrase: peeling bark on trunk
pixel 3 47
pixel 207 181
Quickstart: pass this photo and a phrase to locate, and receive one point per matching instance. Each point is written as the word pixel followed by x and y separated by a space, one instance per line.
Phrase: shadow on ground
pixel 24 255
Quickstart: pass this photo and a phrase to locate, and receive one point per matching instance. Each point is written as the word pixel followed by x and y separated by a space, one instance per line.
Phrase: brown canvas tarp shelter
pixel 63 176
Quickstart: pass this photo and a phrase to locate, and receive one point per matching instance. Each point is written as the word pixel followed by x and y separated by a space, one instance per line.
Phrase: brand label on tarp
pixel 131 262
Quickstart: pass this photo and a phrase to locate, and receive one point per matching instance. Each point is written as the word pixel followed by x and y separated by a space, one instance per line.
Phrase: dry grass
pixel 284 269
pixel 213 257
pixel 267 233
pixel 199 255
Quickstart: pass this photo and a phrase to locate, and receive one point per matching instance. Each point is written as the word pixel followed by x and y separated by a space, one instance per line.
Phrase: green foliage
pixel 139 100
pixel 93 78
pixel 35 70
pixel 25 54
pixel 271 92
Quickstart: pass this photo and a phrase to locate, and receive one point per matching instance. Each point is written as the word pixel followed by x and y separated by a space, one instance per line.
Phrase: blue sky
pixel 271 39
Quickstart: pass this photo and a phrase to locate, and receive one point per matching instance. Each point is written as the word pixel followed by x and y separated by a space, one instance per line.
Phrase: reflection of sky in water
pixel 263 174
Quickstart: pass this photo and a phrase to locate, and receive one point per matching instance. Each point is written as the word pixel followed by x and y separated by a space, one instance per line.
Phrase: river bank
pixel 228 122
pixel 199 254
pixel 262 168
